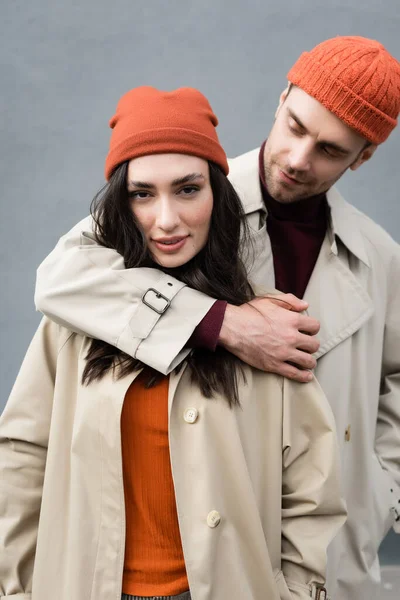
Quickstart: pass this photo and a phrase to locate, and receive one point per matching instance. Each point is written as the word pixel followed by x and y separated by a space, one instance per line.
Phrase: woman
pixel 218 479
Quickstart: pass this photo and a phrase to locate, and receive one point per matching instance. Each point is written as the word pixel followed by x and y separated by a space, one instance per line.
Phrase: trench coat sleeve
pixel 387 437
pixel 312 506
pixel 24 431
pixel 86 288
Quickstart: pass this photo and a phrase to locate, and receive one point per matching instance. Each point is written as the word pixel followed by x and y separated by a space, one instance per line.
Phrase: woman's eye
pixel 138 195
pixel 189 190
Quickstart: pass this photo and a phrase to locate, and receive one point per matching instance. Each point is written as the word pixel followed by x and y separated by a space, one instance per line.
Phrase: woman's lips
pixel 169 245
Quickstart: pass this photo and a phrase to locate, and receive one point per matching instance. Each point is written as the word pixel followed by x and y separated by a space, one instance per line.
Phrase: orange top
pixel 154 563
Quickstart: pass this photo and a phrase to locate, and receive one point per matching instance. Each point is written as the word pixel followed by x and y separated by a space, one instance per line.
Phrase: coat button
pixel 213 518
pixel 190 415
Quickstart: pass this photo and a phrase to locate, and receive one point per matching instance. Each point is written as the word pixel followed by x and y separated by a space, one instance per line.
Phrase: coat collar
pixel 345 224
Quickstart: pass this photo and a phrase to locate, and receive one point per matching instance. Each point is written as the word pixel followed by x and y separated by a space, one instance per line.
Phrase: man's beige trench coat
pixel 354 292
pixel 257 487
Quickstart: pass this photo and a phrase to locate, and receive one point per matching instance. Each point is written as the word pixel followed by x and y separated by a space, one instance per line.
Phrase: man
pixel 342 101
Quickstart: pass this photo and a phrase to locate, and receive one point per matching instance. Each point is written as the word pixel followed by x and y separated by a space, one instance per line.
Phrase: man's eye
pixel 294 128
pixel 329 152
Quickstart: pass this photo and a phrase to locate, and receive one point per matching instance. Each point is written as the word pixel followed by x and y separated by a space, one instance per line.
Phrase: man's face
pixel 309 148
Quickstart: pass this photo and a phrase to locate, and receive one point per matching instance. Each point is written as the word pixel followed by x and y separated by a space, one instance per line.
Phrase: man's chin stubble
pixel 283 198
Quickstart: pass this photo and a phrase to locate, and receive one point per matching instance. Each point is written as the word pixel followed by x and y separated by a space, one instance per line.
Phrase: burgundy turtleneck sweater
pixel 296 231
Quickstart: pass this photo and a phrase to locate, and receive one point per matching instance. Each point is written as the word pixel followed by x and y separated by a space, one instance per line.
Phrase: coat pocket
pixel 283 590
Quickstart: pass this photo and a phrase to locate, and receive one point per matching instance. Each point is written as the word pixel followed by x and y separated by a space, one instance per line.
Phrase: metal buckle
pixel 320 592
pixel 158 295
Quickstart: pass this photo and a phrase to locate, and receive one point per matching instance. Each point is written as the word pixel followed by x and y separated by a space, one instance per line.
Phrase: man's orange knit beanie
pixel 149 121
pixel 356 79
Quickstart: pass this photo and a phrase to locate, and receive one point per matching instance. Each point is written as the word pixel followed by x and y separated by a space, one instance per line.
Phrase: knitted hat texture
pixel 356 79
pixel 150 121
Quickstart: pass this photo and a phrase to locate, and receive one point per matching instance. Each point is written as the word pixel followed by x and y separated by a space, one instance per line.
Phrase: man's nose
pixel 300 156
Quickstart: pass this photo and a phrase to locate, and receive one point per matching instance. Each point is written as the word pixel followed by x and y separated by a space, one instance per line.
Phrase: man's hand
pixel 269 333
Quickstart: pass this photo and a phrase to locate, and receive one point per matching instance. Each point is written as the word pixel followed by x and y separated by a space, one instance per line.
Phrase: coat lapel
pixel 336 298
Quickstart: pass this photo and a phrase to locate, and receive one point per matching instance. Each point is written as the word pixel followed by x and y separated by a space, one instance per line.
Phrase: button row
pixel 190 415
pixel 213 518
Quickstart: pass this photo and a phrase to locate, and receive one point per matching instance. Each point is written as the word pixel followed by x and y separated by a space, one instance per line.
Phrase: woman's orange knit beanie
pixel 356 79
pixel 149 121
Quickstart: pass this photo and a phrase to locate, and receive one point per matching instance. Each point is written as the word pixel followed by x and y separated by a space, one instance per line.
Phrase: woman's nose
pixel 168 215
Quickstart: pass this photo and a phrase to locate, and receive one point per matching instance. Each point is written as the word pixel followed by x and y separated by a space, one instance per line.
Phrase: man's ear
pixel 282 99
pixel 363 156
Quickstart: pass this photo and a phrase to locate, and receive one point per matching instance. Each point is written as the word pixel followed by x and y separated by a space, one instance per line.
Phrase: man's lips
pixel 170 244
pixel 287 179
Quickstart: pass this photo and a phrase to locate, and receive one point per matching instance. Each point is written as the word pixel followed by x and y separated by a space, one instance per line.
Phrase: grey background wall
pixel 63 66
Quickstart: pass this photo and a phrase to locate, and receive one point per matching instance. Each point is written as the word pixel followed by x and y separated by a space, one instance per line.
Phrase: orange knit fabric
pixel 355 78
pixel 154 563
pixel 150 121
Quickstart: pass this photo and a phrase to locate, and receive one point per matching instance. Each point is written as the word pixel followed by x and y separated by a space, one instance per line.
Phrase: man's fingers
pixel 304 360
pixel 307 343
pixel 301 322
pixel 292 372
pixel 288 301
pixel 307 324
pixel 271 338
pixel 279 302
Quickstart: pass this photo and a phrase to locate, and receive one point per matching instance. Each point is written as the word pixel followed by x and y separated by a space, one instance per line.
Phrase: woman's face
pixel 172 200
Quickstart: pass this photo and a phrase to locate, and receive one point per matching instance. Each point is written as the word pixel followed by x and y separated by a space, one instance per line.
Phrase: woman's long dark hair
pixel 217 270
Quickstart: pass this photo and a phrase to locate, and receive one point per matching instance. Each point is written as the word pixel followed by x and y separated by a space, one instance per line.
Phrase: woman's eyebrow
pixel 141 184
pixel 188 178
pixel 179 181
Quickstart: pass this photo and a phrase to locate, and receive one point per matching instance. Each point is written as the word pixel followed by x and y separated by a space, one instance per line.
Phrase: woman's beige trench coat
pixel 257 488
